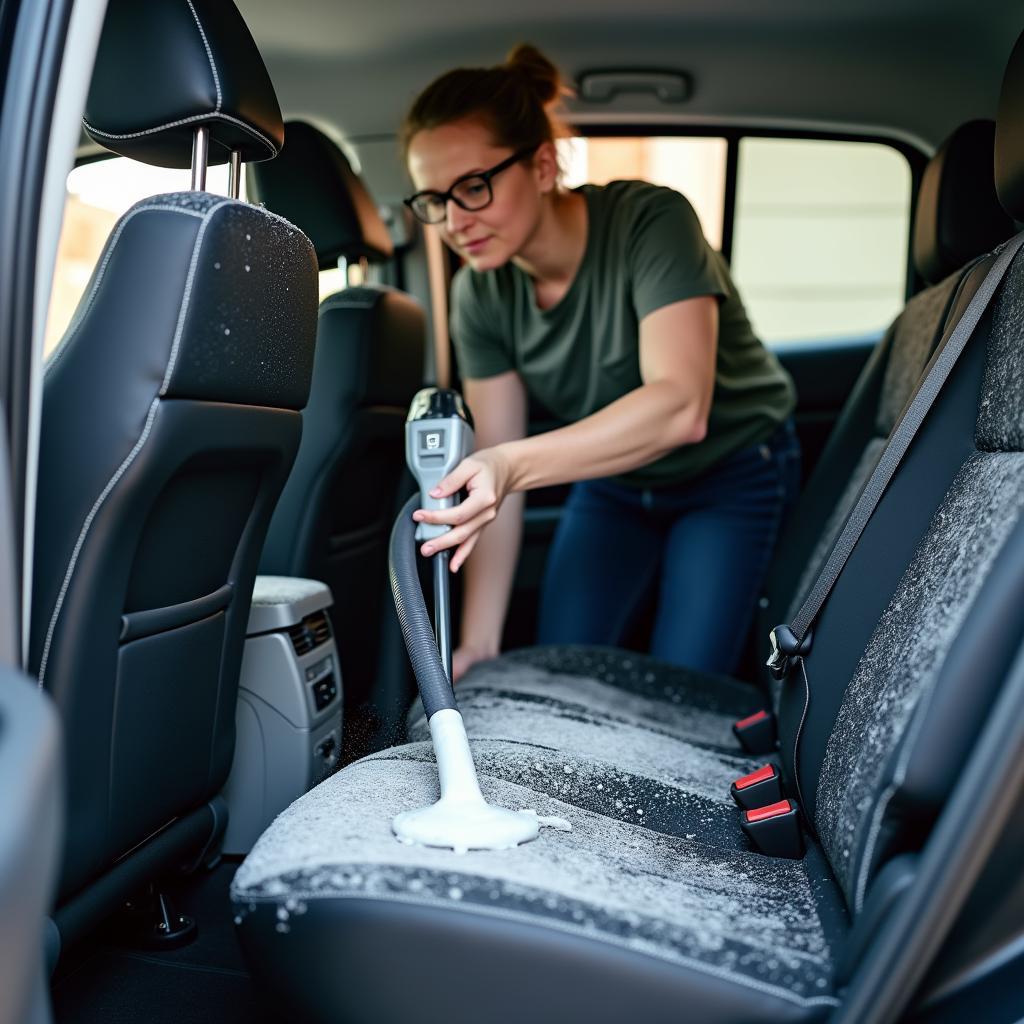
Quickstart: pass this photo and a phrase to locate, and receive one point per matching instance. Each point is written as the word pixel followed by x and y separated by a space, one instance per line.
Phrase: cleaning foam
pixel 461 819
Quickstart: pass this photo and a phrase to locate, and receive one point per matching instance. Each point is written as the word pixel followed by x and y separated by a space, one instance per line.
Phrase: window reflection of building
pixel 695 167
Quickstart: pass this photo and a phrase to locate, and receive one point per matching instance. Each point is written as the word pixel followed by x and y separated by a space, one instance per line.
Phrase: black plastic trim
pixel 25 123
pixel 135 625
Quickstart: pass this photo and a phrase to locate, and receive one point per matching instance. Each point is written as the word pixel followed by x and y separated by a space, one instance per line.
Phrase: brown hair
pixel 514 100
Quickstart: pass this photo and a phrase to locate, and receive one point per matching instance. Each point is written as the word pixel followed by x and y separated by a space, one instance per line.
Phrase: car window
pixel 98 193
pixel 820 236
pixel 693 166
pixel 820 227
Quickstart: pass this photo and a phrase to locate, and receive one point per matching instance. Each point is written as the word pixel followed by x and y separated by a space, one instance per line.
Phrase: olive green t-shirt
pixel 644 250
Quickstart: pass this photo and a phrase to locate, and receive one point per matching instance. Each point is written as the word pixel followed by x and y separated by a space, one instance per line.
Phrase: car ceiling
pixel 912 68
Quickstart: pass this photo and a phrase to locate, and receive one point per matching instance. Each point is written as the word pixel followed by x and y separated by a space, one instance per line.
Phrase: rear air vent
pixel 310 633
pixel 302 640
pixel 317 624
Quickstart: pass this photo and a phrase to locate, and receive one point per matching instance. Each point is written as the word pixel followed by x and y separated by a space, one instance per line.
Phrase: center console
pixel 288 722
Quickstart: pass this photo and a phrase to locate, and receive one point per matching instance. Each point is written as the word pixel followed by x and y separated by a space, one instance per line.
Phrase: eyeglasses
pixel 472 191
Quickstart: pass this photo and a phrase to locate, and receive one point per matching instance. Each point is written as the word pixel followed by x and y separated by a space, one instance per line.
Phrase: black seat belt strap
pixel 794 639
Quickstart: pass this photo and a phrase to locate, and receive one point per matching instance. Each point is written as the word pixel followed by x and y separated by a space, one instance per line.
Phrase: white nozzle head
pixel 461 820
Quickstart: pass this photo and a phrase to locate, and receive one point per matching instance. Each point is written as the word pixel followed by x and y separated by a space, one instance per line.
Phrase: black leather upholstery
pixel 958 214
pixel 334 517
pixel 167 67
pixel 313 185
pixel 170 420
pixel 1009 150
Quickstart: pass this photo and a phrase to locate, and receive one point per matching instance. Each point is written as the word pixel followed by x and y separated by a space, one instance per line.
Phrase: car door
pixel 41 106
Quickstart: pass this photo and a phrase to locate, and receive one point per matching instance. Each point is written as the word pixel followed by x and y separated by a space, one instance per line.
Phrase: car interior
pixel 219 314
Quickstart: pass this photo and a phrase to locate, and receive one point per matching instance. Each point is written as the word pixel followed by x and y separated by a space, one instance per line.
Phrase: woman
pixel 608 305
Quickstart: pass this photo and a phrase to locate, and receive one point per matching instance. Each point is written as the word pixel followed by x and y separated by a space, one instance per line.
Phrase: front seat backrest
pixel 171 415
pixel 334 517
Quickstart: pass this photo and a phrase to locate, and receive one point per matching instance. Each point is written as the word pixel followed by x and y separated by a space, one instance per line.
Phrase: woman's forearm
pixel 633 431
pixel 488 578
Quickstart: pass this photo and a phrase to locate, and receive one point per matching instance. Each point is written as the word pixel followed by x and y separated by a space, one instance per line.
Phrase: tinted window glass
pixel 97 194
pixel 695 167
pixel 820 236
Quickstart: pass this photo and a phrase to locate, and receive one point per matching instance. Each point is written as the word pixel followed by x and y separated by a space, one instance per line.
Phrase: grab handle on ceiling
pixel 603 86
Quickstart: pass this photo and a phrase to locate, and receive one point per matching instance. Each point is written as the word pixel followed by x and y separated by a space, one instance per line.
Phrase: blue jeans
pixel 704 545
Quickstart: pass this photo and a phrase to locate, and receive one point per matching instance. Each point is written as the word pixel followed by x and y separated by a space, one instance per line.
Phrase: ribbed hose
pixel 435 689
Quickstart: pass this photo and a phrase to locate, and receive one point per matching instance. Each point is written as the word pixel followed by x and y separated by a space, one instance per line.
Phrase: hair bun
pixel 543 75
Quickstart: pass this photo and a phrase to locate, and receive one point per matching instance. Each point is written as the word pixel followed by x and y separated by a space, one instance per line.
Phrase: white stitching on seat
pixel 216 115
pixel 209 54
pixel 799 730
pixel 118 473
pixel 189 278
pixel 130 457
pixel 84 308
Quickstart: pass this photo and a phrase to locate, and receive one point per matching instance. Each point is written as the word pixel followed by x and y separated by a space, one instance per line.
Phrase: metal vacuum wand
pixel 438 436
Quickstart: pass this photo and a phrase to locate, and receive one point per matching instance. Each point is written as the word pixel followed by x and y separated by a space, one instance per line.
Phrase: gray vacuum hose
pixel 435 688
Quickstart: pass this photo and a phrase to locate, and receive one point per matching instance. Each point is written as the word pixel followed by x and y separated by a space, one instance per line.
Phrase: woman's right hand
pixel 465 656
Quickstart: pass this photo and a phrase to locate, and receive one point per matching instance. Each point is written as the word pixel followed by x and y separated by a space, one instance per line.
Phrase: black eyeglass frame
pixel 484 176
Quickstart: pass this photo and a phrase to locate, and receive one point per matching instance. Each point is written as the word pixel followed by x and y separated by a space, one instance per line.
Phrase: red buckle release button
pixel 771 811
pixel 746 723
pixel 761 775
pixel 775 830
pixel 756 732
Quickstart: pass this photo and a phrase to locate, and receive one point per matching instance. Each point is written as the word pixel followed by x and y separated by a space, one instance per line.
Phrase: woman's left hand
pixel 486 475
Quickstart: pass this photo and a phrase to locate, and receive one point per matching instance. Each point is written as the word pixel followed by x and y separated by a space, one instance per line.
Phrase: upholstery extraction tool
pixel 438 436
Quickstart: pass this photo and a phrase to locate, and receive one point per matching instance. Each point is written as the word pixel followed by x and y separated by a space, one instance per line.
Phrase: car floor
pixel 202 982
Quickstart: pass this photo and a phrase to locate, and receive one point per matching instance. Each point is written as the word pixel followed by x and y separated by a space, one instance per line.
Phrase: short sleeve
pixel 480 350
pixel 669 259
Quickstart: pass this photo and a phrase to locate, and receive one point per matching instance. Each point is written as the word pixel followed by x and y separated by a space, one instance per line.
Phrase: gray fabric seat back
pixel 335 515
pixel 920 629
pixel 958 218
pixel 942 644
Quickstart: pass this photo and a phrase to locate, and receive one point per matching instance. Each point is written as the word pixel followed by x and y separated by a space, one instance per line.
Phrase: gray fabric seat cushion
pixel 615 733
pixel 603 684
pixel 716 912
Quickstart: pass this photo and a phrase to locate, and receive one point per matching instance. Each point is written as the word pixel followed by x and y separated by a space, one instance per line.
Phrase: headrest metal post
pixel 235 174
pixel 343 267
pixel 200 155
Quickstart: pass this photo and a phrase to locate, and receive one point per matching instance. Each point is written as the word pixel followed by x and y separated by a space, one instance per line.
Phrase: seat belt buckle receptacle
pixel 775 830
pixel 758 789
pixel 756 732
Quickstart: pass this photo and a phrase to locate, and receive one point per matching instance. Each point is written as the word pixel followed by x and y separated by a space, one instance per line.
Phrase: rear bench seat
pixel 958 219
pixel 654 906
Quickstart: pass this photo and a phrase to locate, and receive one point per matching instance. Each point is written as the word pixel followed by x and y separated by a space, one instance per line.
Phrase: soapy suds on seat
pixel 633 746
pixel 731 911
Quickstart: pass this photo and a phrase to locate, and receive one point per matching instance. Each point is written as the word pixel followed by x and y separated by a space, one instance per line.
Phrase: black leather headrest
pixel 167 67
pixel 312 185
pixel 1010 135
pixel 958 214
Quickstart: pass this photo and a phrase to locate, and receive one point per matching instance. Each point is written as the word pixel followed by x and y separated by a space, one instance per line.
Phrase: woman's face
pixel 490 237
